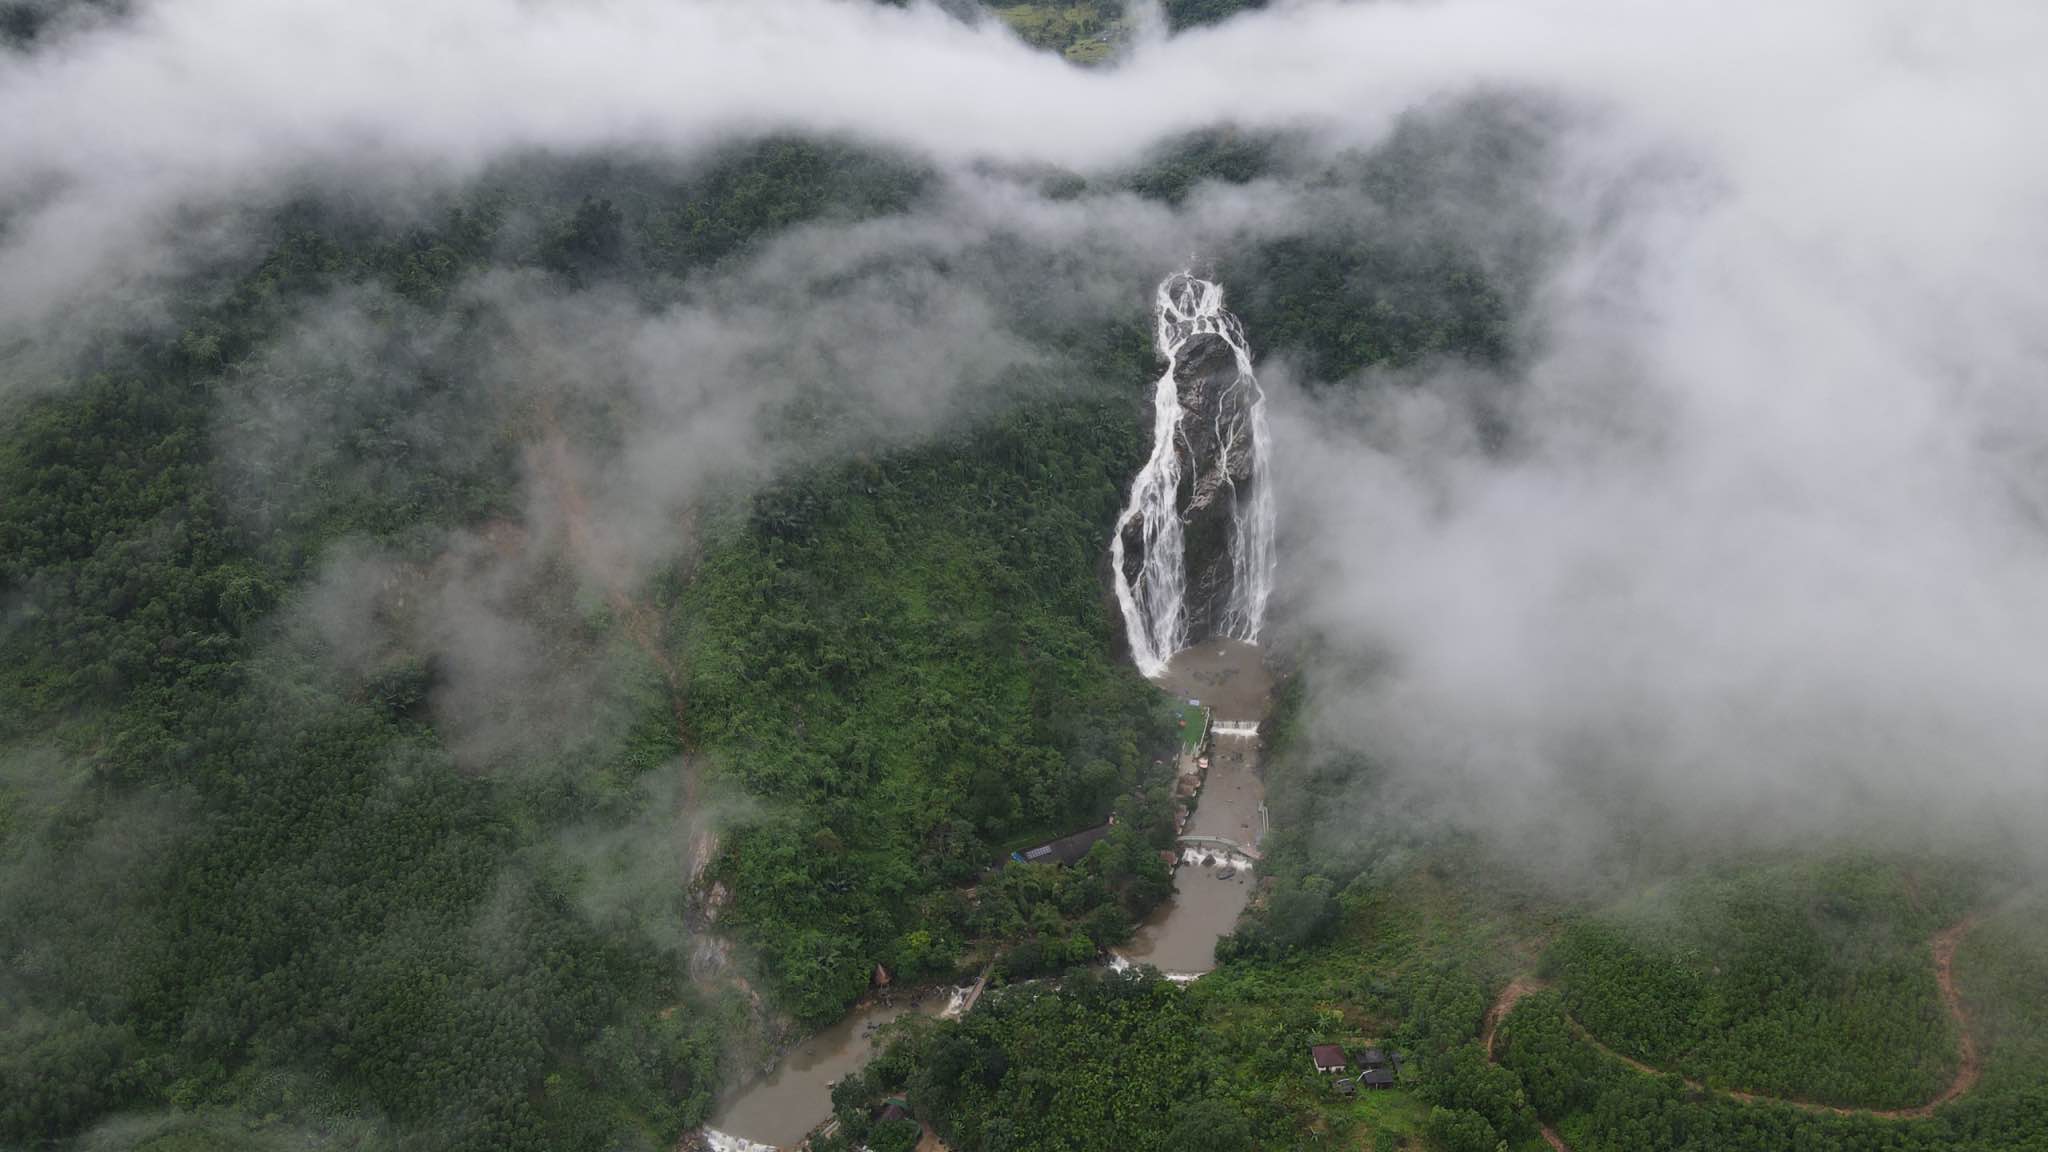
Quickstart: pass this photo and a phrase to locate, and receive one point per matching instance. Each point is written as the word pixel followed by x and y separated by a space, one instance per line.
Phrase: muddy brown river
pixel 1179 938
pixel 780 1109
pixel 1229 677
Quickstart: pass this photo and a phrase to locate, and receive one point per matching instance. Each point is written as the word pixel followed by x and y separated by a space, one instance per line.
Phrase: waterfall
pixel 1251 519
pixel 1155 615
pixel 1154 602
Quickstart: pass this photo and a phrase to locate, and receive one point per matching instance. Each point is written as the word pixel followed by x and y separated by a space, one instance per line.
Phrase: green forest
pixel 1805 981
pixel 238 883
pixel 909 664
pixel 1090 31
pixel 254 888
pixel 352 799
pixel 1410 953
pixel 1598 1103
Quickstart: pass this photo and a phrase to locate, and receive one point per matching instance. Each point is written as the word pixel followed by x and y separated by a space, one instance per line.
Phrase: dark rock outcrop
pixel 1215 413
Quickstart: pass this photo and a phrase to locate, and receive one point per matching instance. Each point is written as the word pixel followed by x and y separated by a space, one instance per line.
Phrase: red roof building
pixel 1329 1058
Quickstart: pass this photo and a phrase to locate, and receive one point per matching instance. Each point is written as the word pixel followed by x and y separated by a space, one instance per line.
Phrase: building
pixel 1066 849
pixel 1329 1058
pixel 1377 1078
pixel 1372 1058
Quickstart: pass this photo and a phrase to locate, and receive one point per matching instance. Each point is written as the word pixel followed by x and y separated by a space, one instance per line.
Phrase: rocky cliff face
pixel 1212 446
pixel 1193 552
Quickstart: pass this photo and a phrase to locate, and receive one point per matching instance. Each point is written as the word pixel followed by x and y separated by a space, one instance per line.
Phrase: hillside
pixel 680 575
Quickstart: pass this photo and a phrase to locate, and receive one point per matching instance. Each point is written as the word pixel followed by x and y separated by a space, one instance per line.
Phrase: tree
pixel 1209 1125
pixel 900 1135
pixel 1462 1130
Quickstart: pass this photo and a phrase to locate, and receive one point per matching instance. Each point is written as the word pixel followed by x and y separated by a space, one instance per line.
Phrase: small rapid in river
pixel 1208 459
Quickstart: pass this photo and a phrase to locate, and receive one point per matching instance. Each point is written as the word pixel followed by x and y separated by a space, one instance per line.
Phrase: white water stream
pixel 1155 603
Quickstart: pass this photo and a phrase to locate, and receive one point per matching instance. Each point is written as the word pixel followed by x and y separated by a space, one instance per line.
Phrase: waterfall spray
pixel 1154 602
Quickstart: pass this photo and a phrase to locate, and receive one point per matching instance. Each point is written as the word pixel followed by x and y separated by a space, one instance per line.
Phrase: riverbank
pixel 1214 882
pixel 781 1109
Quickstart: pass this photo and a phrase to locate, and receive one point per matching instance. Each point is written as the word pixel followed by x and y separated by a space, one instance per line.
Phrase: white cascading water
pixel 1155 612
pixel 1251 546
pixel 1155 604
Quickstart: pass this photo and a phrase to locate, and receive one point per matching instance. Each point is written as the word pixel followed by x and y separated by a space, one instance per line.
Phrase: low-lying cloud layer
pixel 1762 559
pixel 109 132
pixel 1763 549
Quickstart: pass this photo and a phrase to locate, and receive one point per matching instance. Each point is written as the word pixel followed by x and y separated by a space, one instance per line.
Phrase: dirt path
pixel 1969 1064
pixel 1505 1003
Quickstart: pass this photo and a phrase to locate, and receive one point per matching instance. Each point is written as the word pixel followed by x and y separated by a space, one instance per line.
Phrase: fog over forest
pixel 1778 380
pixel 1732 537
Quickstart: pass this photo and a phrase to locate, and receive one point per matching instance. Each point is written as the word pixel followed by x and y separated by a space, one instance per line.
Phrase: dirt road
pixel 1969 1064
pixel 1505 1003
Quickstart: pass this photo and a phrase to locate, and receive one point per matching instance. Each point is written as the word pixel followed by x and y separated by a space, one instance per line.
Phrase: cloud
pixel 1760 561
pixel 1764 541
pixel 109 130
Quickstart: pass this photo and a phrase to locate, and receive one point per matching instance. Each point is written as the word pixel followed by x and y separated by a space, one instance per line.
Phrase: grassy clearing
pixel 1370 1120
pixel 1193 722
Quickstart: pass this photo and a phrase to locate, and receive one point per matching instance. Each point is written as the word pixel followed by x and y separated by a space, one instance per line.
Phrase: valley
pixel 1074 576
